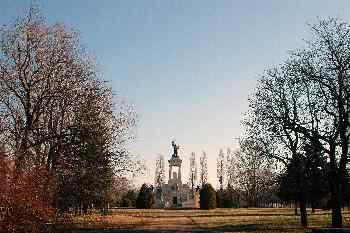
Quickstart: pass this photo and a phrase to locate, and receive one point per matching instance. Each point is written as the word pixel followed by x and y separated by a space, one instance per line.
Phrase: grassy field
pixel 218 220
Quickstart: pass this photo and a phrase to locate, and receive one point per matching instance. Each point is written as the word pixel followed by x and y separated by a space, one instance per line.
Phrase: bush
pixel 220 198
pixel 129 199
pixel 25 199
pixel 207 197
pixel 227 199
pixel 145 199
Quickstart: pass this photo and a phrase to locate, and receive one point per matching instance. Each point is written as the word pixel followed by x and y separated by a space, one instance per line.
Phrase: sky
pixel 187 67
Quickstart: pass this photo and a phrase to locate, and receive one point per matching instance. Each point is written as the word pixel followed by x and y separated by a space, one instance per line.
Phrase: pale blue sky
pixel 187 66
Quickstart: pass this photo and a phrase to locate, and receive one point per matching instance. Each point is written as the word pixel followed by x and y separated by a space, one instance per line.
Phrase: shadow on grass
pixel 266 228
pixel 226 228
pixel 117 230
pixel 237 228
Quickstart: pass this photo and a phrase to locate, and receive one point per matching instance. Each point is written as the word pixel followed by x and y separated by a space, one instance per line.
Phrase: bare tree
pixel 308 98
pixel 159 179
pixel 56 111
pixel 46 81
pixel 230 168
pixel 193 171
pixel 267 125
pixel 220 169
pixel 255 175
pixel 203 163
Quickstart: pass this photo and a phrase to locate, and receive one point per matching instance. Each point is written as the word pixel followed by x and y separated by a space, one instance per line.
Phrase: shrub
pixel 145 199
pixel 219 198
pixel 207 197
pixel 227 199
pixel 24 198
pixel 129 199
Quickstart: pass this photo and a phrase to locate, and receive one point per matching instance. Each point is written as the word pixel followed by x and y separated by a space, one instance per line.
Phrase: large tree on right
pixel 306 100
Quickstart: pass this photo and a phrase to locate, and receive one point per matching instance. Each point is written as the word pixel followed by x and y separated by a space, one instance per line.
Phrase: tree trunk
pixel 337 221
pixel 295 207
pixel 303 213
pixel 335 190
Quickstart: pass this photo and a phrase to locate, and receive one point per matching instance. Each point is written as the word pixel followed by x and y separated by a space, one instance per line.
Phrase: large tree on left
pixel 42 72
pixel 55 110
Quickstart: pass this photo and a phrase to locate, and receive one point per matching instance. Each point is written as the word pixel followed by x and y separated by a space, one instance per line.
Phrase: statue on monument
pixel 176 147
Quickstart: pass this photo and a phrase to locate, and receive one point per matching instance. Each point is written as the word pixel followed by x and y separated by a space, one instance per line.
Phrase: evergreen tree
pixel 305 179
pixel 228 200
pixel 145 198
pixel 129 199
pixel 207 197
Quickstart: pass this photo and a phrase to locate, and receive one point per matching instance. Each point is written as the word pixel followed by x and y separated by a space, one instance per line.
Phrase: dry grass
pixel 222 220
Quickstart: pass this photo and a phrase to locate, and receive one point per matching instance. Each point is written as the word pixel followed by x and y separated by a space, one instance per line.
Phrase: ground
pixel 218 220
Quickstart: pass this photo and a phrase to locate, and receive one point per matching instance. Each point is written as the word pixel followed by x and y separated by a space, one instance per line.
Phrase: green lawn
pixel 220 220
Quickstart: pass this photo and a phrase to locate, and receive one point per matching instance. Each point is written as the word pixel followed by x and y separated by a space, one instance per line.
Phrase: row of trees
pixel 57 115
pixel 246 178
pixel 300 116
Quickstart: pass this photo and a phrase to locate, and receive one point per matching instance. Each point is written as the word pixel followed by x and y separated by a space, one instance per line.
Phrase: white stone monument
pixel 174 194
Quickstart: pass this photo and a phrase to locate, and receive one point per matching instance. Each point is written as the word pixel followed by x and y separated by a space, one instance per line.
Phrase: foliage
pixel 226 198
pixel 89 171
pixel 230 198
pixel 25 198
pixel 129 199
pixel 219 197
pixel 305 177
pixel 207 197
pixel 145 198
pixel 121 185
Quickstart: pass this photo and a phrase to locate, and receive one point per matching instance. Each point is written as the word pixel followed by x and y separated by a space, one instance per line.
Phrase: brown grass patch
pixel 223 220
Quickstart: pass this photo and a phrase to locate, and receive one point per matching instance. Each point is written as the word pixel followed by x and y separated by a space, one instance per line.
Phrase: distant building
pixel 174 194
